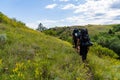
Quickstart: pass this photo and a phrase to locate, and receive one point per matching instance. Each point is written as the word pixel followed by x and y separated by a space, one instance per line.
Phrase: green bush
pixel 3 39
pixel 116 28
pixel 102 51
pixel 116 47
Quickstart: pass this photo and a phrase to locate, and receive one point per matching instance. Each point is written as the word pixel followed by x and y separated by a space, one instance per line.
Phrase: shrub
pixel 102 51
pixel 116 47
pixel 116 28
pixel 3 39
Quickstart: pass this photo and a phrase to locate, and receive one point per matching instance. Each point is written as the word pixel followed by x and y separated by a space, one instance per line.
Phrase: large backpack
pixel 84 39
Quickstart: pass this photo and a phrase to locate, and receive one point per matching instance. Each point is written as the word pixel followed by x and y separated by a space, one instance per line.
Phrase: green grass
pixel 31 55
pixel 104 63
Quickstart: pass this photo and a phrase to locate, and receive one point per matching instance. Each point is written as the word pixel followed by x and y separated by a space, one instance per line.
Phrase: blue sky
pixel 53 13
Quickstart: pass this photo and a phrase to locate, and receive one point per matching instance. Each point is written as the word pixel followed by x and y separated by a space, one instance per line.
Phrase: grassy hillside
pixel 103 62
pixel 26 54
pixel 96 29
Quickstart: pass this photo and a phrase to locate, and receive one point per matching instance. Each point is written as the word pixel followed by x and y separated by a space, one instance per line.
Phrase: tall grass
pixel 104 63
pixel 31 55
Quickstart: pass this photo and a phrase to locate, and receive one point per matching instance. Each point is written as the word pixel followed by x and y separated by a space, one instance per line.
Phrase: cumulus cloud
pixel 49 23
pixel 32 25
pixel 51 6
pixel 95 12
pixel 69 6
pixel 93 5
pixel 46 22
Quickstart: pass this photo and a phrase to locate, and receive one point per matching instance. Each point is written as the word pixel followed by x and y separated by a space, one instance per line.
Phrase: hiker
pixel 85 43
pixel 75 35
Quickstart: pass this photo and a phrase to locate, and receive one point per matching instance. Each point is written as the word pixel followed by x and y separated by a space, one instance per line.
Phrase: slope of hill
pixel 26 54
pixel 103 62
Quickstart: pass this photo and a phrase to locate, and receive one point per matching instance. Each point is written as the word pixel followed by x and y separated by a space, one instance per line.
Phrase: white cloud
pixel 53 23
pixel 47 23
pixel 51 6
pixel 69 6
pixel 32 25
pixel 94 12
pixel 92 5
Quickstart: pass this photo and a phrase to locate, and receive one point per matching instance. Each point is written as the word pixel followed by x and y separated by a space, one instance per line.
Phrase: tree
pixel 41 27
pixel 110 31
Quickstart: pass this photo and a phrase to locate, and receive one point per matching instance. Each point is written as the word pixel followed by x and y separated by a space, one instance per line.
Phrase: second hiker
pixel 85 43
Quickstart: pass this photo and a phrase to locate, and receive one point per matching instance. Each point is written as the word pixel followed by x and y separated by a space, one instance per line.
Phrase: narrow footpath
pixel 89 72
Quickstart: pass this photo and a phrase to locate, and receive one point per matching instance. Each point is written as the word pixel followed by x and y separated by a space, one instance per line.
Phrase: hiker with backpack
pixel 75 35
pixel 85 43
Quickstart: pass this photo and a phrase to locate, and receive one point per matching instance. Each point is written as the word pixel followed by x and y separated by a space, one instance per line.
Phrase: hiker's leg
pixel 84 57
pixel 84 53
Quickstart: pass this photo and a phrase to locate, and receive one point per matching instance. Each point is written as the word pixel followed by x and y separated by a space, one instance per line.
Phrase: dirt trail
pixel 89 72
pixel 86 64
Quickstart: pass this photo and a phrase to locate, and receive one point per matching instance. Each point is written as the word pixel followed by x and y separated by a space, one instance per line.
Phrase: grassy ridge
pixel 96 29
pixel 26 54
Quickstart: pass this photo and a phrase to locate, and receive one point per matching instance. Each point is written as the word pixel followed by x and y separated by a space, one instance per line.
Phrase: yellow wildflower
pixel 15 70
pixel 20 74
